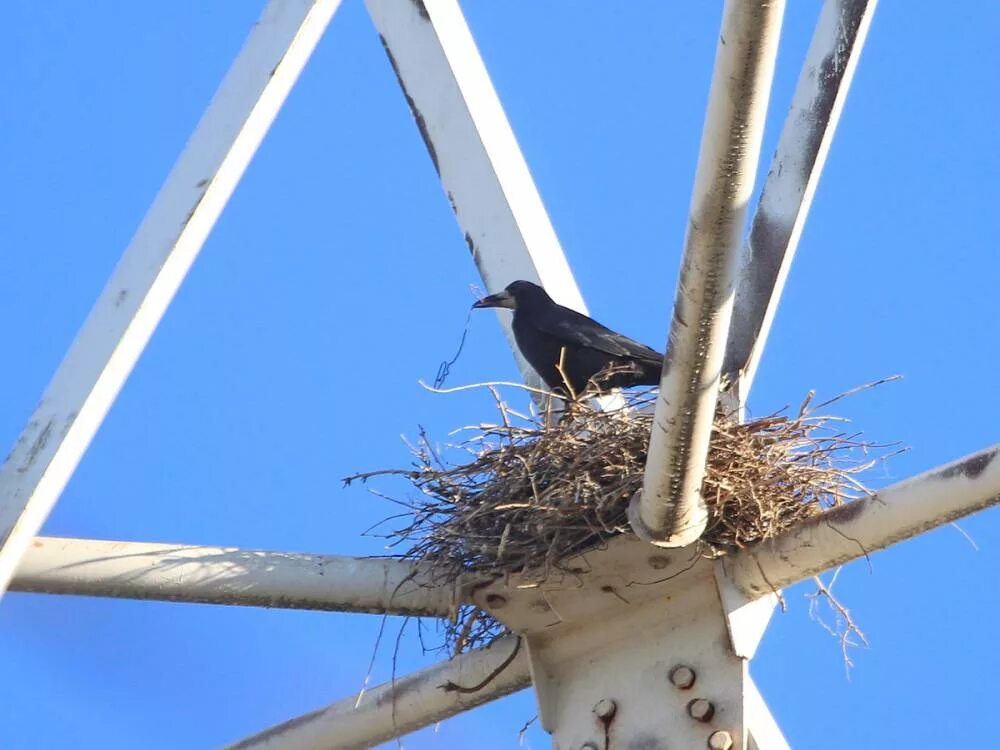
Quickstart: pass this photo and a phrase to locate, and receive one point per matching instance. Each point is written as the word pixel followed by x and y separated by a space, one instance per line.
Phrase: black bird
pixel 549 334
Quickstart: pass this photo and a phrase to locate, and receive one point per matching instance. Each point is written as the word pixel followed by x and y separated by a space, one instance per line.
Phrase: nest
pixel 536 491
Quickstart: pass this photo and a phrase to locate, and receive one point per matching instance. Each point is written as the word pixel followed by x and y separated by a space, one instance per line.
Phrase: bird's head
pixel 515 295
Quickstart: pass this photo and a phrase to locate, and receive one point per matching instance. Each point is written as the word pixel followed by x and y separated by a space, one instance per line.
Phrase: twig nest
pixel 539 490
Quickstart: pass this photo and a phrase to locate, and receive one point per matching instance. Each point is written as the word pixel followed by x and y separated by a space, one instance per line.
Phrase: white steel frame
pixel 509 235
pixel 670 510
pixel 152 268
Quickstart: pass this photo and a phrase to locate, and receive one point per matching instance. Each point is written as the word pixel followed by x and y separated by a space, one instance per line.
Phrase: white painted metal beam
pixel 865 526
pixel 152 268
pixel 405 704
pixel 892 515
pixel 224 575
pixel 762 730
pixel 791 183
pixel 227 575
pixel 669 510
pixel 473 148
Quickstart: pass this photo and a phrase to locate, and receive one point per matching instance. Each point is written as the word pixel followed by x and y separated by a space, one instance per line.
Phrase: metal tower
pixel 683 681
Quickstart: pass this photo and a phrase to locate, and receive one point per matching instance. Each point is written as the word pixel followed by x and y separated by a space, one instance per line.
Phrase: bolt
pixel 659 562
pixel 682 677
pixel 701 710
pixel 495 601
pixel 605 709
pixel 720 740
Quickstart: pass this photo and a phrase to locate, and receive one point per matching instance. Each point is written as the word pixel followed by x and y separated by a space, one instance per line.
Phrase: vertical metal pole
pixel 669 509
pixel 791 183
pixel 152 268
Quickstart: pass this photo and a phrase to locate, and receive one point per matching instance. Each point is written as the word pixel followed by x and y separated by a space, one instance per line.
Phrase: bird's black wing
pixel 575 329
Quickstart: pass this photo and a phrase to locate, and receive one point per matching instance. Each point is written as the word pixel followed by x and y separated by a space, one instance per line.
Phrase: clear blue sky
pixel 256 394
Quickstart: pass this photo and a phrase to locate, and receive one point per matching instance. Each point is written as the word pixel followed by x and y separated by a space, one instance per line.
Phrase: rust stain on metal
pixel 414 110
pixel 970 468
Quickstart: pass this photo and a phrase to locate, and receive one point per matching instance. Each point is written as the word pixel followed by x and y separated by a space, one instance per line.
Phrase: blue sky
pixel 337 278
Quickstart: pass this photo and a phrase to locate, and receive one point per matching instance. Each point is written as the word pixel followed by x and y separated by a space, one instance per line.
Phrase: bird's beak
pixel 501 299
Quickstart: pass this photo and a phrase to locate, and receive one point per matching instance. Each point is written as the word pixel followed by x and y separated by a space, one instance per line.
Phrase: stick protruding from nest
pixel 535 492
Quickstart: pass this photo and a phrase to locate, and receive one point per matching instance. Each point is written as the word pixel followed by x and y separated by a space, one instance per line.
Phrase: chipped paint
pixel 787 195
pixel 970 468
pixel 194 210
pixel 863 527
pixel 843 513
pixel 414 110
pixel 37 446
pixel 670 510
pixel 421 9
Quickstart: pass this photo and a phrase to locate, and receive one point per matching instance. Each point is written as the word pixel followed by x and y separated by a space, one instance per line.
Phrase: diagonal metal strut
pixel 475 153
pixel 152 268
pixel 856 530
pixel 791 182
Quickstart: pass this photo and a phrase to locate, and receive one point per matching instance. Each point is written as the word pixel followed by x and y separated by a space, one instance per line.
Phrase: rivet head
pixel 682 677
pixel 605 709
pixel 720 740
pixel 495 601
pixel 701 710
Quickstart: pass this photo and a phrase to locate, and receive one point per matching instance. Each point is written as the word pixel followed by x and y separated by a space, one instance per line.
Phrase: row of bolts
pixel 699 709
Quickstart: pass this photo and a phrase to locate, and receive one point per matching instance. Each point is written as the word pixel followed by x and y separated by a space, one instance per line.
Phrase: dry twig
pixel 537 492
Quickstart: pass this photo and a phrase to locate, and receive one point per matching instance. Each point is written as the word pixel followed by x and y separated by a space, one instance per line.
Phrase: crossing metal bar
pixel 152 268
pixel 669 510
pixel 836 537
pixel 474 151
pixel 226 575
pixel 860 528
pixel 405 704
pixel 791 183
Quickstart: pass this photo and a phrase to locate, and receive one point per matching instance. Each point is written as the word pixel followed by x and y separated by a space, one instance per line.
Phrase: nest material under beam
pixel 539 490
